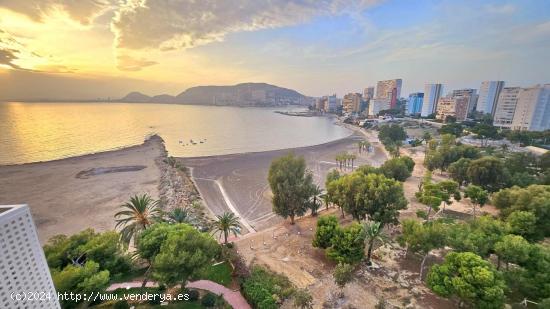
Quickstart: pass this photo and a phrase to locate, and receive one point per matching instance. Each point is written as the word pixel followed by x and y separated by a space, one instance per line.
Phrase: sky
pixel 88 49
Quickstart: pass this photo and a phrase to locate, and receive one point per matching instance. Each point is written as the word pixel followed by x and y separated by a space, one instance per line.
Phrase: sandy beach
pixel 238 182
pixel 69 195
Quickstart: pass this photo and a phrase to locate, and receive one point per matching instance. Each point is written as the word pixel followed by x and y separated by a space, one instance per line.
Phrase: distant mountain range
pixel 247 94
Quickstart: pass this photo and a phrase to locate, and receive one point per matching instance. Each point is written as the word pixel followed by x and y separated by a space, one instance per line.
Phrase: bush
pixel 209 300
pixel 194 295
pixel 326 228
pixel 348 244
pixel 121 304
pixel 263 289
pixel 398 168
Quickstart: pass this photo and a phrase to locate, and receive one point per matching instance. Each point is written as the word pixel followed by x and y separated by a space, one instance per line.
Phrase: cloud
pixel 7 57
pixel 501 8
pixel 130 63
pixel 173 24
pixel 82 11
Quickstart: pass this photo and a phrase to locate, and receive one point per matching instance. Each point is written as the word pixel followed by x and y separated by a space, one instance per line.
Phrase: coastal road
pixel 238 182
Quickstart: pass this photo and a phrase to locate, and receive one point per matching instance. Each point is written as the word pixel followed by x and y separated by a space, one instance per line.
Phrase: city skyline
pixel 90 49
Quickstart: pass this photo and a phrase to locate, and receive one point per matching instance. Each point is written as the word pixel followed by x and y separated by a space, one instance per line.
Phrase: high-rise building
pixel 331 103
pixel 320 104
pixel 488 96
pixel 414 105
pixel 432 93
pixel 469 93
pixel 377 105
pixel 453 107
pixel 351 103
pixel 389 89
pixel 533 109
pixel 506 107
pixel 23 266
pixel 368 93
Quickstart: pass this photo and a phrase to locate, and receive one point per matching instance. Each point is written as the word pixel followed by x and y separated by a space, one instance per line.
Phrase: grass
pixel 129 276
pixel 220 273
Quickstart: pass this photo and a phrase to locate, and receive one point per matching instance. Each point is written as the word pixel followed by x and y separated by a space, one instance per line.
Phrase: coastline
pixel 63 203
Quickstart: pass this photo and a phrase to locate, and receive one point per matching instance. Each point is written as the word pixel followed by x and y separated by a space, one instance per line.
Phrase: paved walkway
pixel 234 298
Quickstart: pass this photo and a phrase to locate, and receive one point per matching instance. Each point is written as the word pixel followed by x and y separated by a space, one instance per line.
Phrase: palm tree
pixel 225 224
pixel 137 214
pixel 315 201
pixel 373 233
pixel 180 215
pixel 352 158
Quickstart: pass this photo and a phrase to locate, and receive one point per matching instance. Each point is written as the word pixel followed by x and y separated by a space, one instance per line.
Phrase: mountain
pixel 136 97
pixel 247 94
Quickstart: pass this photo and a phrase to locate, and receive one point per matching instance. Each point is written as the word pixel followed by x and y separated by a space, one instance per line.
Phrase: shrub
pixel 263 288
pixel 121 304
pixel 326 228
pixel 209 300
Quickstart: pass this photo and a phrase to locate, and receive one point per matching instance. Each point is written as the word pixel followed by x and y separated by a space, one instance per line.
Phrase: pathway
pixel 234 298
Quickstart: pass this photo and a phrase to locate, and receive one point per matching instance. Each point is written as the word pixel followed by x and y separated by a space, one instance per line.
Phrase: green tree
pixel 398 168
pixel 392 136
pixel 137 214
pixel 83 279
pixel 315 200
pixel 184 254
pixel 470 278
pixel 512 249
pixel 375 196
pixel 488 173
pixel 343 274
pixel 449 189
pixel 373 233
pixel 326 228
pixel 485 132
pixel 348 244
pixel 535 199
pixel 180 215
pixel 226 224
pixel 459 170
pixel 477 196
pixel 292 186
pixel 455 129
pixel 524 223
pixel 532 278
pixel 478 236
pixel 302 299
pixel 422 238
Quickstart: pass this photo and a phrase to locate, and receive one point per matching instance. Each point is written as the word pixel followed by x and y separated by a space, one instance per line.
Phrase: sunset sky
pixel 66 49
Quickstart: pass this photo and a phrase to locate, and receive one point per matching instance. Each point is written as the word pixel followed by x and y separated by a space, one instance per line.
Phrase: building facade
pixel 389 89
pixel 506 107
pixel 432 93
pixel 331 103
pixel 414 105
pixel 368 93
pixel 452 107
pixel 23 266
pixel 489 92
pixel 469 93
pixel 351 103
pixel 377 105
pixel 533 109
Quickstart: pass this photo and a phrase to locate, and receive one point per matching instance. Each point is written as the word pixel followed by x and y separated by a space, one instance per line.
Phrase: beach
pixel 238 183
pixel 70 195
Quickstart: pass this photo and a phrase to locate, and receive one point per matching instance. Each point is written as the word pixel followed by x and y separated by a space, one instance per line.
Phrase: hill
pixel 246 94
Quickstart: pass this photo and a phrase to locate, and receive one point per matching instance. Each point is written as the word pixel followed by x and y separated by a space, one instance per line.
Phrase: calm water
pixel 31 132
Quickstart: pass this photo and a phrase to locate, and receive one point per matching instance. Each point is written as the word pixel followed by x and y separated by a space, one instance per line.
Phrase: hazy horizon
pixel 84 50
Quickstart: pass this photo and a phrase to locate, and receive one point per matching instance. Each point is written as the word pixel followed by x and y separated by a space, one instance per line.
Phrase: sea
pixel 33 132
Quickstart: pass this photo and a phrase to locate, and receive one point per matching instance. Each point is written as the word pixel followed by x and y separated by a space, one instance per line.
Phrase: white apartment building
pixel 506 107
pixel 23 266
pixel 488 96
pixel 533 109
pixel 432 93
pixel 377 105
pixel 331 103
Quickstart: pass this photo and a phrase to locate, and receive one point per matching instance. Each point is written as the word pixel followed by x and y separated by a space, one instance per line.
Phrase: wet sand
pixel 238 182
pixel 69 195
